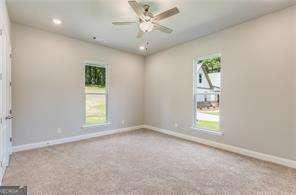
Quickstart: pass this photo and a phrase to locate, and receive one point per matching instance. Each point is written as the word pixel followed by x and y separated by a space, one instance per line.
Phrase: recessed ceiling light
pixel 56 21
pixel 141 47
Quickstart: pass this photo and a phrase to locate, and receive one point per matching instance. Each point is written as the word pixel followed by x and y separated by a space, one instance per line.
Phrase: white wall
pixel 258 85
pixel 48 86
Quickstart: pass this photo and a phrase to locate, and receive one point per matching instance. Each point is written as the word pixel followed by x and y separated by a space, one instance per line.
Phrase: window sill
pixel 213 132
pixel 95 125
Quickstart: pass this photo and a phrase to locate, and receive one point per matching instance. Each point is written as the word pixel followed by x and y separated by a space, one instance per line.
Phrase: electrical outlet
pixel 59 130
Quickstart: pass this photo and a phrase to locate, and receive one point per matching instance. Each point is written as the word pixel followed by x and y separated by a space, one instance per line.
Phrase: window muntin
pixel 96 94
pixel 207 89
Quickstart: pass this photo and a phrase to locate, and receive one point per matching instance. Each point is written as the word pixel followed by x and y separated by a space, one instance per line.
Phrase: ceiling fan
pixel 147 20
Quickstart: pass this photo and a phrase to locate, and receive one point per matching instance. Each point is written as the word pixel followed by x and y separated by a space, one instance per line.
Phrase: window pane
pixel 95 109
pixel 207 93
pixel 95 79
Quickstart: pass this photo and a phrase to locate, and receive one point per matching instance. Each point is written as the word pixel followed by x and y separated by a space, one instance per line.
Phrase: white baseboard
pixel 72 139
pixel 235 149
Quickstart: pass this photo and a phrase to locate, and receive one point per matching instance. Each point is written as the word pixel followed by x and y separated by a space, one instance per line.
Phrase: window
pixel 207 92
pixel 96 94
pixel 200 78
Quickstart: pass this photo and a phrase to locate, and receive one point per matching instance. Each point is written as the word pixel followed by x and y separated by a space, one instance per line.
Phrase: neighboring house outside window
pixel 96 94
pixel 207 71
pixel 200 78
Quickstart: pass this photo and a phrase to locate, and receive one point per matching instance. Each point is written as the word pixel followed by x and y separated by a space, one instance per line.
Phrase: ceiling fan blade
pixel 140 33
pixel 166 14
pixel 138 9
pixel 162 28
pixel 124 23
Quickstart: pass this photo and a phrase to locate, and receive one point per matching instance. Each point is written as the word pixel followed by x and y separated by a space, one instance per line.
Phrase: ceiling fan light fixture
pixel 57 21
pixel 146 26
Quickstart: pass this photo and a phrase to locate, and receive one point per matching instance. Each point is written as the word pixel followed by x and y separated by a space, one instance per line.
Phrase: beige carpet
pixel 144 162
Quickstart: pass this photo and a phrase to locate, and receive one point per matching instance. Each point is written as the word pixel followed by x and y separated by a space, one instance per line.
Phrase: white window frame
pixel 195 79
pixel 96 64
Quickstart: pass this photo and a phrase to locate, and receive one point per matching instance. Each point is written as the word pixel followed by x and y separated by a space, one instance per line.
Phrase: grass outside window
pixel 209 125
pixel 95 109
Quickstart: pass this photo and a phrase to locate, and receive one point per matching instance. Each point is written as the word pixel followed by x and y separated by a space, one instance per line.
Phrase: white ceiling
pixel 83 19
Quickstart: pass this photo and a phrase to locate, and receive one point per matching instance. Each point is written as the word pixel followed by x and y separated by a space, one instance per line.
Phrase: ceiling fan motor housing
pixel 146 7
